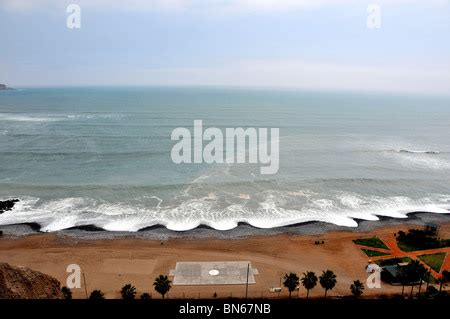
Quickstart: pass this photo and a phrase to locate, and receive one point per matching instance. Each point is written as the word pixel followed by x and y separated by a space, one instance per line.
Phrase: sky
pixel 307 44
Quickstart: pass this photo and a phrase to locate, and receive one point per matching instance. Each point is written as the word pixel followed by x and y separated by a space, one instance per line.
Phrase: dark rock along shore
pixel 7 205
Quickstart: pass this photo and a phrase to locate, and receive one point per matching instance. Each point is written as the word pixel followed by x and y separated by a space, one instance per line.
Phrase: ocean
pixel 102 156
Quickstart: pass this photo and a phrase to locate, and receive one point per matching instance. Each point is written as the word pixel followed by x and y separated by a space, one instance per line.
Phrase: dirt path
pixel 395 252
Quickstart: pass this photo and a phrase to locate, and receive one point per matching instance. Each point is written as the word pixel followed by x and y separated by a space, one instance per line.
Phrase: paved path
pixel 395 252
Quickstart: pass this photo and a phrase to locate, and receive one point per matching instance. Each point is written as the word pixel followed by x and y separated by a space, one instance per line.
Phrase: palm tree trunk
pixel 290 294
pixel 411 294
pixel 326 290
pixel 307 294
pixel 420 285
pixel 428 281
pixel 403 289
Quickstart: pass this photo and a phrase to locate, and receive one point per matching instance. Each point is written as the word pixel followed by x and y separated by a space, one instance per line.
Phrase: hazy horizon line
pixel 231 87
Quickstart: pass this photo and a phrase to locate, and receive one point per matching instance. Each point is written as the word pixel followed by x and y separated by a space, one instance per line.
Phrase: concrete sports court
pixel 213 273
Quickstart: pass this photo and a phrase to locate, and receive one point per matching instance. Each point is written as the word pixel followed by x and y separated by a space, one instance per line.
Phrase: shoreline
pixel 242 231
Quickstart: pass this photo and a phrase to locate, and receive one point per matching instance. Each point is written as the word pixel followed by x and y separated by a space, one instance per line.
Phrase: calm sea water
pixel 79 156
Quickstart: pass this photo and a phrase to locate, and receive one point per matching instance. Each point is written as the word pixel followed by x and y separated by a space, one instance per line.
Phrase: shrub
pixel 67 293
pixel 97 295
pixel 417 239
pixel 146 296
pixel 357 288
pixel 128 291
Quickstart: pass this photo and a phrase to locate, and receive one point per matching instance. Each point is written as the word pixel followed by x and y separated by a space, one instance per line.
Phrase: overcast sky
pixel 308 44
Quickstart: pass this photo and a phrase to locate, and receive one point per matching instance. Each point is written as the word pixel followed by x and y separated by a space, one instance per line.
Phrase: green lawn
pixel 445 242
pixel 373 253
pixel 408 248
pixel 434 261
pixel 371 242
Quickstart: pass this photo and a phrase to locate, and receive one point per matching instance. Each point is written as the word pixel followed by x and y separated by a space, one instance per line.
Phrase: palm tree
pixel 403 277
pixel 66 292
pixel 309 281
pixel 162 285
pixel 423 274
pixel 357 288
pixel 428 280
pixel 414 272
pixel 444 279
pixel 128 292
pixel 291 282
pixel 97 295
pixel 327 281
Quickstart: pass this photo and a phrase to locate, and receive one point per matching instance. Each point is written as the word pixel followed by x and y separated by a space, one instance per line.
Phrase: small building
pixel 391 274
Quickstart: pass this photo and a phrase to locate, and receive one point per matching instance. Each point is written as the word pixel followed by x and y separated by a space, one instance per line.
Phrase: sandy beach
pixel 109 264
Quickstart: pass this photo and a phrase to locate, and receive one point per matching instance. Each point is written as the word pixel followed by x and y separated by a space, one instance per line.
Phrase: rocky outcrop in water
pixel 4 87
pixel 7 205
pixel 24 283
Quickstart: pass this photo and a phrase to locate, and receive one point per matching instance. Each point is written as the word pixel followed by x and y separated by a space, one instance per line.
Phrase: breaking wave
pixel 418 152
pixel 342 209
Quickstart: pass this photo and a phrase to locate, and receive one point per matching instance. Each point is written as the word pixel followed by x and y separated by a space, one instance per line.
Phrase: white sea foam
pixel 340 210
pixel 419 159
pixel 54 117
pixel 422 162
pixel 24 118
pixel 89 116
